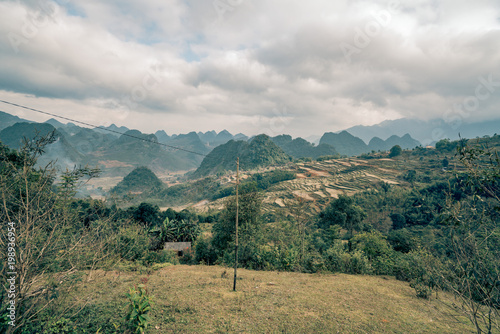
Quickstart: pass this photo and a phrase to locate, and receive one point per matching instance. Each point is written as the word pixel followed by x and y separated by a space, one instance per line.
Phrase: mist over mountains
pixel 121 150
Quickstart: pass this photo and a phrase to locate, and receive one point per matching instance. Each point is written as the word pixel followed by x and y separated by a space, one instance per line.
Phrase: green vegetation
pixel 141 179
pixel 137 317
pixel 344 143
pixel 435 229
pixel 259 152
pixel 261 181
pixel 395 151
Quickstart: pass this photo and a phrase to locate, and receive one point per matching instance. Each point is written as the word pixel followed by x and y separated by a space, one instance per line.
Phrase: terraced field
pixel 318 182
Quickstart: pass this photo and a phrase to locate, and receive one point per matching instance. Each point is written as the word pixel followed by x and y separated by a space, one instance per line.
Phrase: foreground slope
pixel 199 299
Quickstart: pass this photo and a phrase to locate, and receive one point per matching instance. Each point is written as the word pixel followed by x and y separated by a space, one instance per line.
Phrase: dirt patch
pixel 280 202
pixel 303 194
pixel 381 179
pixel 343 163
pixel 201 203
pixel 321 173
pixel 334 192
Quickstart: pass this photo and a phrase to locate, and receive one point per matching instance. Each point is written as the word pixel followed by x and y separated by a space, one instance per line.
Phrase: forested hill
pixel 259 152
pixel 139 180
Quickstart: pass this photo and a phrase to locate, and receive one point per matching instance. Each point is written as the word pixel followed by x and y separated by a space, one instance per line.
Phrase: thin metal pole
pixel 236 224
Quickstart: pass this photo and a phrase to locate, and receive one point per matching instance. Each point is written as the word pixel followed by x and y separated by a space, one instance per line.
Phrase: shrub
pixel 337 259
pixel 162 256
pixel 422 290
pixel 204 252
pixel 402 240
pixel 357 263
pixel 132 243
pixel 313 262
pixel 188 256
pixel 334 258
pixel 137 317
pixel 373 244
pixel 383 265
pixel 395 151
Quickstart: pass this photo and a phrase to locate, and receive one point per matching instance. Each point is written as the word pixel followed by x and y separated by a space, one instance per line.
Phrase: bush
pixel 395 151
pixel 402 240
pixel 373 244
pixel 137 317
pixel 162 256
pixel 204 252
pixel 132 243
pixel 313 262
pixel 383 265
pixel 338 260
pixel 422 290
pixel 357 263
pixel 415 266
pixel 188 256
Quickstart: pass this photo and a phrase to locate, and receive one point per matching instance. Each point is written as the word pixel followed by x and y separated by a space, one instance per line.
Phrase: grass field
pixel 199 299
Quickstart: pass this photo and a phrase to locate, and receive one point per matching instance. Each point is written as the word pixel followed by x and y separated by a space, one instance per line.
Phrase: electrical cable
pixel 102 128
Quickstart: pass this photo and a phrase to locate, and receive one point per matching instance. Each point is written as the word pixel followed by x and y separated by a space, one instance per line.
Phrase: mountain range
pixel 426 132
pixel 349 145
pixel 7 120
pixel 301 148
pixel 118 150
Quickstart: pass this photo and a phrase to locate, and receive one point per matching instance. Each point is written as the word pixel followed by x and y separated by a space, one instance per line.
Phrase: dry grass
pixel 199 299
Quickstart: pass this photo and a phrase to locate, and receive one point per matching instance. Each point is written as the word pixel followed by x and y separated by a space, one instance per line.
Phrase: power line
pixel 102 128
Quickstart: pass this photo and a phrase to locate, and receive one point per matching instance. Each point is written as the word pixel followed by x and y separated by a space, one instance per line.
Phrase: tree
pixel 301 220
pixel 249 224
pixel 176 231
pixel 395 151
pixel 373 244
pixel 410 176
pixel 472 270
pixel 398 221
pixel 147 214
pixel 343 212
pixel 46 242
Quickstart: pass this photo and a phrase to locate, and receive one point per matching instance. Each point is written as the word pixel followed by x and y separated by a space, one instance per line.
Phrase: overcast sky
pixel 251 66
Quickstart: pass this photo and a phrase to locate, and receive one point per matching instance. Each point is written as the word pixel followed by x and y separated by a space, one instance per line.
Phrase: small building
pixel 179 247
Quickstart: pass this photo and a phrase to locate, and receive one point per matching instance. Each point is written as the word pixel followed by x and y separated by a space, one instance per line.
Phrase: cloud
pixel 188 65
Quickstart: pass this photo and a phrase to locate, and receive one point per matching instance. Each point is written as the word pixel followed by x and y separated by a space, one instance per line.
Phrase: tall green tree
pixel 249 224
pixel 343 212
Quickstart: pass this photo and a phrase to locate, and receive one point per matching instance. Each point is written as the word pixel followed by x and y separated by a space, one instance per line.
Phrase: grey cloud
pixel 259 57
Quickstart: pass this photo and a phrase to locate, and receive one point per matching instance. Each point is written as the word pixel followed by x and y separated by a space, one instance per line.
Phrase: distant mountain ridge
pixel 119 154
pixel 61 150
pixel 301 148
pixel 347 144
pixel 7 120
pixel 426 132
pixel 111 148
